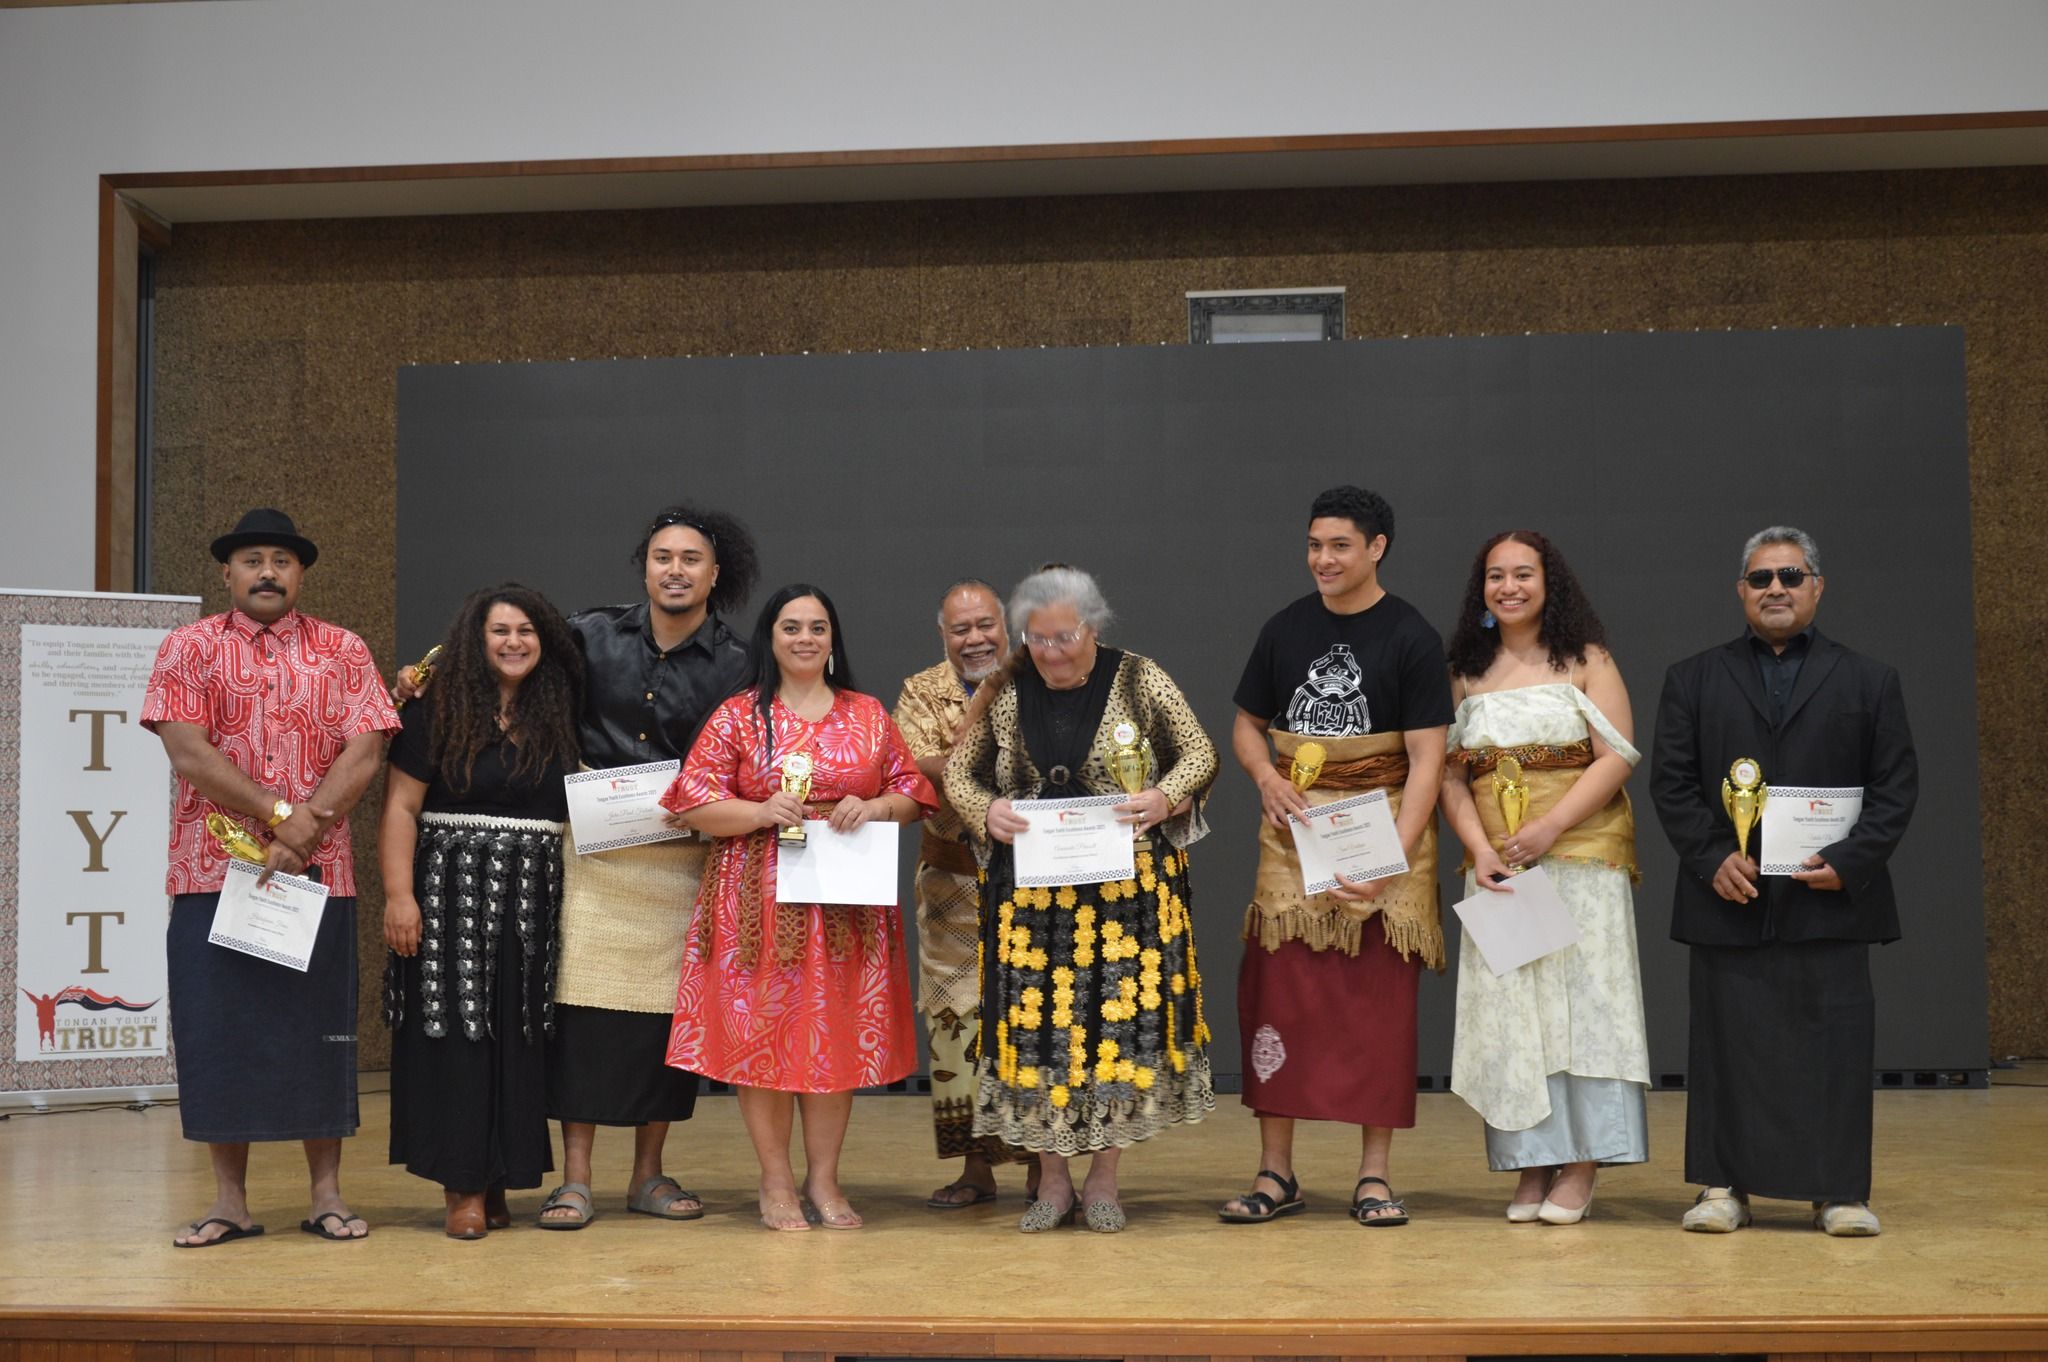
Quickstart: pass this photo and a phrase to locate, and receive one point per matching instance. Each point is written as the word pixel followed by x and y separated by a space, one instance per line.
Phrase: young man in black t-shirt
pixel 1326 991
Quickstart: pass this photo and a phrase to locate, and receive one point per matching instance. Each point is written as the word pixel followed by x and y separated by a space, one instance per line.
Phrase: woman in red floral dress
pixel 795 1004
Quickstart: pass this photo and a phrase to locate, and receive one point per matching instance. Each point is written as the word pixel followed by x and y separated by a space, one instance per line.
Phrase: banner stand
pixel 85 808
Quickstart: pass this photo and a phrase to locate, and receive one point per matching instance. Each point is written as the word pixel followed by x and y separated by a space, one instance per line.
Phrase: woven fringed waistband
pixel 1606 837
pixel 1407 904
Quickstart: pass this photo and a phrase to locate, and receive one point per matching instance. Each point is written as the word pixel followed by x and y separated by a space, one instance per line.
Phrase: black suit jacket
pixel 1845 724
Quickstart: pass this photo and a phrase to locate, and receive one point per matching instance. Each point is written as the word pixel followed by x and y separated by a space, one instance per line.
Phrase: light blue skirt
pixel 1592 1120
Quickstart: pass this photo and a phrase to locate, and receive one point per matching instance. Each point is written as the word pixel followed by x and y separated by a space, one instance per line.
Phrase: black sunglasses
pixel 1760 580
pixel 669 521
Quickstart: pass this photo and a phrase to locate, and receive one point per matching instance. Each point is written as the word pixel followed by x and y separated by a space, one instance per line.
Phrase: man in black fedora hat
pixel 276 722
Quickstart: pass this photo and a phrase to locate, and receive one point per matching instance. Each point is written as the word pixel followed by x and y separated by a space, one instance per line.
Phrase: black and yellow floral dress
pixel 1093 1035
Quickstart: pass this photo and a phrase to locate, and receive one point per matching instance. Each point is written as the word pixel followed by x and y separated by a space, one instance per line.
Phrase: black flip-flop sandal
pixel 1362 1207
pixel 939 1202
pixel 232 1233
pixel 318 1225
pixel 1264 1207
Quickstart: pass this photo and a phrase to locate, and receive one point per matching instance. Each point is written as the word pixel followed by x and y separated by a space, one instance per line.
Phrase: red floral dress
pixel 794 997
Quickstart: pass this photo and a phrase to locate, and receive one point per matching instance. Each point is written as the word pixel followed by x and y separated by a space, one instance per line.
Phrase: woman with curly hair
pixel 1551 1055
pixel 472 858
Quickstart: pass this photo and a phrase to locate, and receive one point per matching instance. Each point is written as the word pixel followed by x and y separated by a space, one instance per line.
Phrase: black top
pixel 1844 724
pixel 1780 670
pixel 642 704
pixel 1058 726
pixel 1064 710
pixel 1325 675
pixel 492 789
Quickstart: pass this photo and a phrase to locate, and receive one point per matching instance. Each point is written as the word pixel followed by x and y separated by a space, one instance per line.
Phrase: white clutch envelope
pixel 1513 929
pixel 857 867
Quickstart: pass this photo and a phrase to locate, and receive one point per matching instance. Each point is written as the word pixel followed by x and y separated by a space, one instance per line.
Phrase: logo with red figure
pixel 86 1035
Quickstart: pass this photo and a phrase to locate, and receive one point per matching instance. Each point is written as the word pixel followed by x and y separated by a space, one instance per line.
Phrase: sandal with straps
pixel 1393 1210
pixel 1263 1206
pixel 580 1215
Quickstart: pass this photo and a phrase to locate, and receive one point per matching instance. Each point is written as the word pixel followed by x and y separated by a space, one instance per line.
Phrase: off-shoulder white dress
pixel 1553 1056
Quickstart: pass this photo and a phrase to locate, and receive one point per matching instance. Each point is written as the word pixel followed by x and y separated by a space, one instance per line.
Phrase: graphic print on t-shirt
pixel 1330 704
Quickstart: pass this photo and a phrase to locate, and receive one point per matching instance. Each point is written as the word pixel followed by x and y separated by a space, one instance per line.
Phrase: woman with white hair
pixel 1093 1036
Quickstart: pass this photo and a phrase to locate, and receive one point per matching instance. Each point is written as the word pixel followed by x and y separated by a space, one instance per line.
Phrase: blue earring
pixel 1487 621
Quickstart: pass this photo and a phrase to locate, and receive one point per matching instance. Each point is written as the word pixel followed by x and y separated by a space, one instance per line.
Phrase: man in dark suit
pixel 1782 1014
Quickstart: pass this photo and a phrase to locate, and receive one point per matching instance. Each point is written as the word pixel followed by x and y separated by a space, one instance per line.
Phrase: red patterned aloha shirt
pixel 280 702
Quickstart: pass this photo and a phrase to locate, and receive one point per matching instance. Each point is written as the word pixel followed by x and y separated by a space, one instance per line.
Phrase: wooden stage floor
pixel 1962 1266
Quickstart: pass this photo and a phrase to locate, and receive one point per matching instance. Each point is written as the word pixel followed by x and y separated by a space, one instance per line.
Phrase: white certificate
pixel 838 867
pixel 1073 841
pixel 620 806
pixel 1513 929
pixel 278 922
pixel 1354 836
pixel 1799 820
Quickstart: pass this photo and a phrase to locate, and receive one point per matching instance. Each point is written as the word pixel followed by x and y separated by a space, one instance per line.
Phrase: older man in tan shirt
pixel 929 712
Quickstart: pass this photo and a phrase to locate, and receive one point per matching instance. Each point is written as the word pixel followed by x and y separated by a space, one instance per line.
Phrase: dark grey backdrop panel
pixel 1181 476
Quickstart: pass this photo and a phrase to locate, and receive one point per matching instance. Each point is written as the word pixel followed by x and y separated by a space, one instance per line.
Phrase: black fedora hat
pixel 266 526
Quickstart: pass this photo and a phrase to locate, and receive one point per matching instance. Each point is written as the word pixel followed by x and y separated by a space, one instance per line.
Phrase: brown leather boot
pixel 497 1215
pixel 465 1215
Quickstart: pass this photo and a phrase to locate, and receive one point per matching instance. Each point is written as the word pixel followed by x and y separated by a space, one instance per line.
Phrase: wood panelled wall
pixel 279 343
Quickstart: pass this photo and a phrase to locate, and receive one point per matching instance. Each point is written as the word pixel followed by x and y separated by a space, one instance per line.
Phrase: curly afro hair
pixel 732 548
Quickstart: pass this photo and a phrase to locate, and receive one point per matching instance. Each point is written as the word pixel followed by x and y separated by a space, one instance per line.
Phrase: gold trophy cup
pixel 1512 793
pixel 1742 795
pixel 796 781
pixel 423 670
pixel 1307 765
pixel 234 839
pixel 1130 760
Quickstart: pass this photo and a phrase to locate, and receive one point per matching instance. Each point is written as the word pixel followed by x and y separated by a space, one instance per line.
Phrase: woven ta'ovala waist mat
pixel 1407 904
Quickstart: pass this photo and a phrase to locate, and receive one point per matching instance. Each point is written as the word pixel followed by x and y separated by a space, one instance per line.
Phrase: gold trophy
pixel 1307 765
pixel 1742 795
pixel 796 781
pixel 1512 792
pixel 234 839
pixel 1130 760
pixel 423 670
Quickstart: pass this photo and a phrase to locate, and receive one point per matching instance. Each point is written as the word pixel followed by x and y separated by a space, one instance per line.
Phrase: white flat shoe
pixel 1846 1220
pixel 1717 1210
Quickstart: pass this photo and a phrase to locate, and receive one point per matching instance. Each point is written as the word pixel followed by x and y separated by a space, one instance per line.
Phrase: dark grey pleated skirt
pixel 263 1052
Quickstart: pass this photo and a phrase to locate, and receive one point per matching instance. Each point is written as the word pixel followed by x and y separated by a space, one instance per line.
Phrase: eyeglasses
pixel 1760 580
pixel 1065 639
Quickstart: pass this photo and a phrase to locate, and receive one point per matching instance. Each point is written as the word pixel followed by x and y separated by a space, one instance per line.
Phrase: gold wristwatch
pixel 279 811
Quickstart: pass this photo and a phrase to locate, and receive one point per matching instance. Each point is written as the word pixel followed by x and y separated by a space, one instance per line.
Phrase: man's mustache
pixel 262 587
